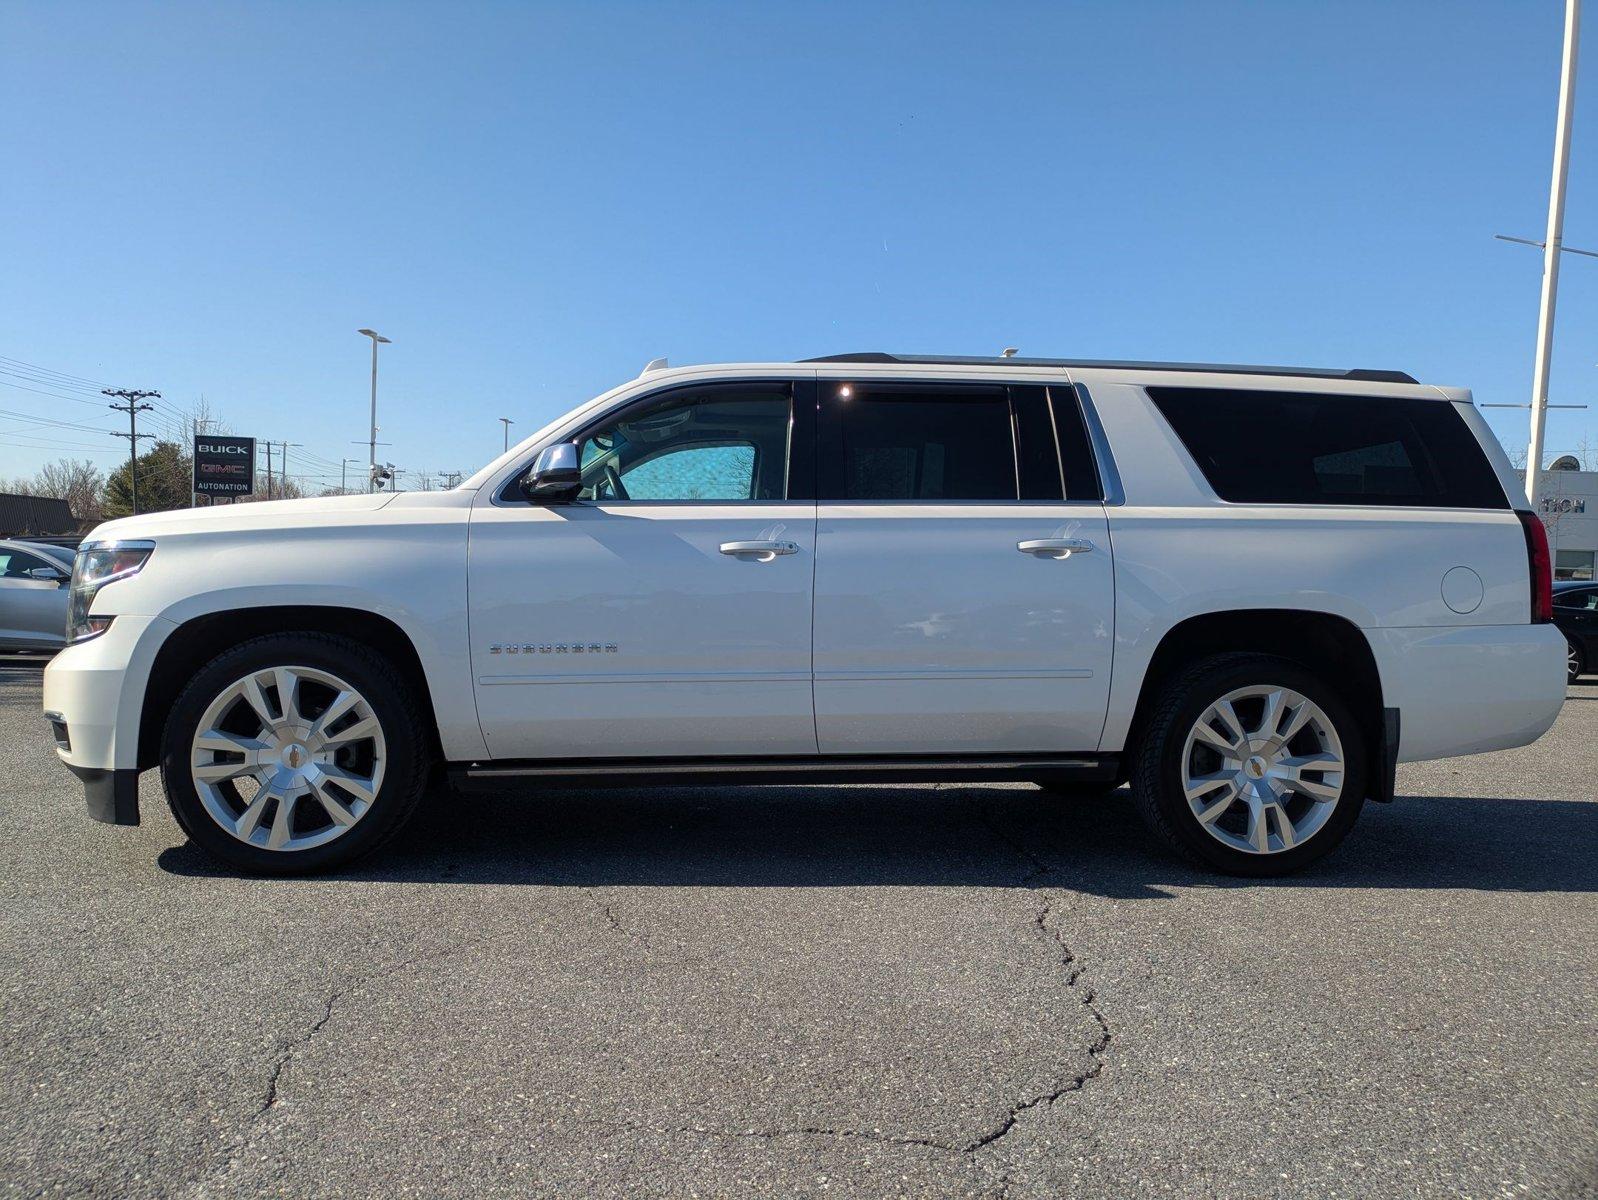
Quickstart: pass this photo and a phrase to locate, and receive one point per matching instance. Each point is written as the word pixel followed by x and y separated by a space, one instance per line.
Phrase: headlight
pixel 97 564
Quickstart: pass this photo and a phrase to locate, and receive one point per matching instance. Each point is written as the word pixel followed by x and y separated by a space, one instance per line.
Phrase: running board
pixel 834 768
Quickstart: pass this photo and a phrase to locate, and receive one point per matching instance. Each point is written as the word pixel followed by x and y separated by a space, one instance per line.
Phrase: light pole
pixel 372 444
pixel 343 475
pixel 1551 248
pixel 507 423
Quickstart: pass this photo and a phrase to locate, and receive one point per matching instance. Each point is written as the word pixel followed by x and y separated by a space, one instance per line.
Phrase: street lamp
pixel 372 445
pixel 507 423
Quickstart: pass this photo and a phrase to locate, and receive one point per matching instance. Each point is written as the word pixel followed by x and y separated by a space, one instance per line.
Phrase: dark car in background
pixel 1576 615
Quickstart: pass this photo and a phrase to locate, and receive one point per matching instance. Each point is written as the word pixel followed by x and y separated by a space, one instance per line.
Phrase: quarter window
pixel 1267 447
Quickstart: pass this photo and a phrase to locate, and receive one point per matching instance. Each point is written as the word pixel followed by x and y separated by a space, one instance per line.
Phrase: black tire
pixel 1576 662
pixel 1157 771
pixel 392 702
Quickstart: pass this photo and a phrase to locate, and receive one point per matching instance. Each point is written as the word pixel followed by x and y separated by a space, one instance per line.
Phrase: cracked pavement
pixel 866 991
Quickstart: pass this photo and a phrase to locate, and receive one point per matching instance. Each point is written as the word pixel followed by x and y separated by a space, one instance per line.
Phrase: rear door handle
pixel 759 551
pixel 1055 547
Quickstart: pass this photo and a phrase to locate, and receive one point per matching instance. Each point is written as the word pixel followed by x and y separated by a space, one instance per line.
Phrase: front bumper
pixel 93 697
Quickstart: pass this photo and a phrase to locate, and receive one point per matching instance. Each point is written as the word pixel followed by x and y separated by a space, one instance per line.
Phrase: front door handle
pixel 1055 547
pixel 759 551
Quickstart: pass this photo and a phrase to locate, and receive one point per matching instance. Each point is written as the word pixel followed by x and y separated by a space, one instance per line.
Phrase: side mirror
pixel 555 476
pixel 48 575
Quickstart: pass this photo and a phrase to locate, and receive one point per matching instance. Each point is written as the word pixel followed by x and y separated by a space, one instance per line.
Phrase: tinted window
pixel 1580 599
pixel 15 565
pixel 1258 447
pixel 935 444
pixel 1076 454
pixel 721 444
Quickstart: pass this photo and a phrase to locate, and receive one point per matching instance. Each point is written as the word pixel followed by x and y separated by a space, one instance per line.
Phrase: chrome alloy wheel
pixel 288 758
pixel 1572 660
pixel 1262 769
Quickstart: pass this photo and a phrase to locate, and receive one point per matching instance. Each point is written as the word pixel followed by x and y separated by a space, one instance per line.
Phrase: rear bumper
pixel 1469 689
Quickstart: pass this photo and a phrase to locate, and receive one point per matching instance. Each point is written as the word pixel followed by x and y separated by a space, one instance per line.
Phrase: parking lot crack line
pixel 289 1049
pixel 1096 1050
pixel 608 910
pixel 864 1135
pixel 1039 867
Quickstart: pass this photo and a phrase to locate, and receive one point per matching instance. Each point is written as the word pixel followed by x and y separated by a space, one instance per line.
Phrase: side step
pixel 741 772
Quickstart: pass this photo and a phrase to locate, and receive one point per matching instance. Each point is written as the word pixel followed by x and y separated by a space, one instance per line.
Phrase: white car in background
pixel 1252 591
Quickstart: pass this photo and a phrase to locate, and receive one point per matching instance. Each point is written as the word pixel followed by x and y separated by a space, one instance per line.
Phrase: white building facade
pixel 1568 505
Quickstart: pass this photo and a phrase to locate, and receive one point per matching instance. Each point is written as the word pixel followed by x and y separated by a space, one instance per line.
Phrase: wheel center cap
pixel 1255 767
pixel 295 756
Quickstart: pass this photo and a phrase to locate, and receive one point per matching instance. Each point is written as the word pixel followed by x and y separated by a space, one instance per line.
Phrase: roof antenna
pixel 1010 351
pixel 654 364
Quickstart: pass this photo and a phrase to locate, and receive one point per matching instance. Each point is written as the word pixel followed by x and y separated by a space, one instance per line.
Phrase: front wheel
pixel 293 753
pixel 1574 665
pixel 1251 765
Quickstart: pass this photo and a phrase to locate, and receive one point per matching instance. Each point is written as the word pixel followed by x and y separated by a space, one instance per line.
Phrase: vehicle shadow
pixel 954 835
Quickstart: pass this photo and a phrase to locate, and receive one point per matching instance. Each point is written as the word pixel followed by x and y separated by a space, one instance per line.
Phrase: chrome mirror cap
pixel 556 474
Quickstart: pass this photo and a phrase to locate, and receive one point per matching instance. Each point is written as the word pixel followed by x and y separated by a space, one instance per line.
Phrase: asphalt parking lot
pixel 962 990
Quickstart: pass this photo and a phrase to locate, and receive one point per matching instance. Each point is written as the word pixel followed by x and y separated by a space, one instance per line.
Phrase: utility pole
pixel 372 444
pixel 343 474
pixel 269 469
pixel 132 405
pixel 507 422
pixel 1551 249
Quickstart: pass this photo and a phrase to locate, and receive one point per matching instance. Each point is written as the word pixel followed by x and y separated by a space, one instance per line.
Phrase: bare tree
pixel 77 481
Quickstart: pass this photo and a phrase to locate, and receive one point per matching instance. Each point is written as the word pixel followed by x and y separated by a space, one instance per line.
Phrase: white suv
pixel 1251 591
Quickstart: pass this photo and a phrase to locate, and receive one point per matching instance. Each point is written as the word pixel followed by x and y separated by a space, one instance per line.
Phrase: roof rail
pixel 1360 374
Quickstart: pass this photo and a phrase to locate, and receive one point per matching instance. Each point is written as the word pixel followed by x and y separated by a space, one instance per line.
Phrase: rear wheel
pixel 1574 662
pixel 1252 765
pixel 294 753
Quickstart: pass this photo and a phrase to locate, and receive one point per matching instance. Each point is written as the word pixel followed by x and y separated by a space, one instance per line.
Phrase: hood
pixel 218 518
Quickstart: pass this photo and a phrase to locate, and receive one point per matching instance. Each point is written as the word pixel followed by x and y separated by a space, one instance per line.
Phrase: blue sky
pixel 533 200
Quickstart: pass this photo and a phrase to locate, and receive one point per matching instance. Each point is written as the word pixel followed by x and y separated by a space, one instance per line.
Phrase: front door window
pixel 720 445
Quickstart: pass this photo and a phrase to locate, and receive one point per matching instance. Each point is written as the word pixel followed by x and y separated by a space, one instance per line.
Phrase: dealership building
pixel 1568 502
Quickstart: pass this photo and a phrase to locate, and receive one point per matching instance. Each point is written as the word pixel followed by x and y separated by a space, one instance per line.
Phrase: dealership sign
pixel 224 466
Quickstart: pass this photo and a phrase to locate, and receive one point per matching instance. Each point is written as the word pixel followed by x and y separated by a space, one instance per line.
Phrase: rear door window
pixel 933 444
pixel 903 442
pixel 1269 447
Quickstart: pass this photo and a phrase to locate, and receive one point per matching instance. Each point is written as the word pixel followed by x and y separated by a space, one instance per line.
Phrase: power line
pixel 42 392
pixel 23 442
pixel 99 383
pixel 7 412
pixel 31 377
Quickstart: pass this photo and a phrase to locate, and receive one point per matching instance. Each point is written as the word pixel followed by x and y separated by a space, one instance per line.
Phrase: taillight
pixel 1541 563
